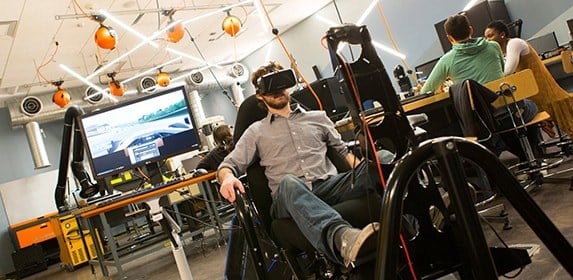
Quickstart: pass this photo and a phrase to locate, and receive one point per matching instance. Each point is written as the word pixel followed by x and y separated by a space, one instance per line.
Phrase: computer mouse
pixel 200 171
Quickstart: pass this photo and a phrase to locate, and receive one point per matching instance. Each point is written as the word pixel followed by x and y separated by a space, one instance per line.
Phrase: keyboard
pixel 139 192
pixel 416 97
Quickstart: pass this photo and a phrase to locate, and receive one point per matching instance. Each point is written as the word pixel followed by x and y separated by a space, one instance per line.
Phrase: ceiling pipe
pixel 37 147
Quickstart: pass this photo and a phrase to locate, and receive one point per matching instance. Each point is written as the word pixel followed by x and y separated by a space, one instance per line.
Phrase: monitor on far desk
pixel 545 45
pixel 423 70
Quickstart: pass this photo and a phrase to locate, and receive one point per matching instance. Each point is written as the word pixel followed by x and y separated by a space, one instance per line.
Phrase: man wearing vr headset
pixel 291 144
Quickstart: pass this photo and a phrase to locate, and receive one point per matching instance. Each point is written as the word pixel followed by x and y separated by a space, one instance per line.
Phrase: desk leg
pixel 98 249
pixel 112 245
pixel 211 206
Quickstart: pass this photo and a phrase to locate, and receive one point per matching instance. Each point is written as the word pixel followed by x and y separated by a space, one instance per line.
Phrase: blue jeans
pixel 311 208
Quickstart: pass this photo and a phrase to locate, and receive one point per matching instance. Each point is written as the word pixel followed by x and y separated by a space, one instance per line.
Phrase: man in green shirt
pixel 482 61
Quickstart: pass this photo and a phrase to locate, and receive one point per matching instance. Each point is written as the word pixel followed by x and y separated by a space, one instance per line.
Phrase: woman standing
pixel 520 55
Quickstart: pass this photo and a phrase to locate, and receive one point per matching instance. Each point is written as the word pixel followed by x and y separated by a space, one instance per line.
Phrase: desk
pixel 90 212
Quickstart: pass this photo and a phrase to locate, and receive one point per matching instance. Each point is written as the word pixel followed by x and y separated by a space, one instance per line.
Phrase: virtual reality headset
pixel 276 81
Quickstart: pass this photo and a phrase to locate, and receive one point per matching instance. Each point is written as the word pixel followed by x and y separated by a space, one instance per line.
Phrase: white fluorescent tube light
pixel 81 78
pixel 217 11
pixel 388 50
pixel 191 57
pixel 150 70
pixel 127 27
pixel 141 44
pixel 366 12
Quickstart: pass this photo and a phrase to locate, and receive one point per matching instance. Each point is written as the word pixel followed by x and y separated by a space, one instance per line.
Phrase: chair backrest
pixel 566 60
pixel 522 83
pixel 472 104
pixel 250 112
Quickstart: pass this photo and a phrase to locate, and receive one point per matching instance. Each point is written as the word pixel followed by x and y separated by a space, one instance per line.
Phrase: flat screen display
pixel 423 70
pixel 545 43
pixel 138 132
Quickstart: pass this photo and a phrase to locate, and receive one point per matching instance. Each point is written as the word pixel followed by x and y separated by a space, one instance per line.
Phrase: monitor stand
pixel 154 173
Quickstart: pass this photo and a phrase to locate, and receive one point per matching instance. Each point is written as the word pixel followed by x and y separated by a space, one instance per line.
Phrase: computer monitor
pixel 544 44
pixel 139 132
pixel 423 70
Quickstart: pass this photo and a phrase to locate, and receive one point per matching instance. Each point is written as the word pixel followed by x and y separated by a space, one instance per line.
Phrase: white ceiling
pixel 40 24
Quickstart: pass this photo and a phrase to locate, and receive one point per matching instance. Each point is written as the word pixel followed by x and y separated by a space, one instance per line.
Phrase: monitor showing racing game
pixel 142 131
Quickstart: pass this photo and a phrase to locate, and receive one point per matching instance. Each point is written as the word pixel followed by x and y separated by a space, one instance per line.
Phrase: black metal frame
pixel 476 261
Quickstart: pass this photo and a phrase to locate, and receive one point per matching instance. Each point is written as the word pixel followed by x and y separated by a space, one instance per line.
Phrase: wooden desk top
pixel 426 101
pixel 89 211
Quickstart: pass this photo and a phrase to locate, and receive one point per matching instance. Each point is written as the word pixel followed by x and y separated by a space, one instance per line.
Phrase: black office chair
pixel 277 248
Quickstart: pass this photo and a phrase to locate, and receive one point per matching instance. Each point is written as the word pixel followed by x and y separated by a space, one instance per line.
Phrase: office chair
pixel 512 89
pixel 277 248
pixel 566 61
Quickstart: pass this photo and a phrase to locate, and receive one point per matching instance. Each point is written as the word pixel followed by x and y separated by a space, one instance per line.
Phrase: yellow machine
pixel 72 249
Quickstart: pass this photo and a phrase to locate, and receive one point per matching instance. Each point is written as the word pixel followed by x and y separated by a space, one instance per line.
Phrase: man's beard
pixel 278 104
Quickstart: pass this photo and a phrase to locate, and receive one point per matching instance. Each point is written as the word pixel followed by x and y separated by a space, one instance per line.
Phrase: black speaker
pixel 330 94
pixel 29 260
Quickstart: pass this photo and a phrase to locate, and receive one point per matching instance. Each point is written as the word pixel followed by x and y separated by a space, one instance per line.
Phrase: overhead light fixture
pixel 163 78
pixel 61 97
pixel 126 27
pixel 147 40
pixel 231 24
pixel 115 87
pixel 98 89
pixel 175 33
pixel 105 37
pixel 217 11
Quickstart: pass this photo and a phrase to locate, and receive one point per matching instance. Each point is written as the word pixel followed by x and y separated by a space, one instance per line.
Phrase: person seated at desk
pixel 224 140
pixel 291 144
pixel 482 61
pixel 521 55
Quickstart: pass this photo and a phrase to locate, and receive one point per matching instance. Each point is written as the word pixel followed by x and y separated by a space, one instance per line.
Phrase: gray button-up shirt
pixel 295 145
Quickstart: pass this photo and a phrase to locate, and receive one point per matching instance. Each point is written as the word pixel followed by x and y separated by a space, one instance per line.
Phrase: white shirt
pixel 516 47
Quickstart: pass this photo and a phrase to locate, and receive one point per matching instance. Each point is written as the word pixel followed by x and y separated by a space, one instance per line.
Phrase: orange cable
pixel 290 58
pixel 376 159
pixel 46 63
pixel 82 10
pixel 393 41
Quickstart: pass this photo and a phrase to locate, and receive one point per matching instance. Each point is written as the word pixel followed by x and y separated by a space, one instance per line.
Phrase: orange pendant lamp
pixel 61 97
pixel 175 33
pixel 105 37
pixel 231 24
pixel 163 78
pixel 115 87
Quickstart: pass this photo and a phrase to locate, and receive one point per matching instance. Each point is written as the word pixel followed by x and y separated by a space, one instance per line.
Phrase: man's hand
pixel 228 184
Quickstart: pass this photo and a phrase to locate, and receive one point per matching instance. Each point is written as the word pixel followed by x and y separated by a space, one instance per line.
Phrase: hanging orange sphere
pixel 105 37
pixel 61 98
pixel 163 79
pixel 175 33
pixel 231 25
pixel 115 88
